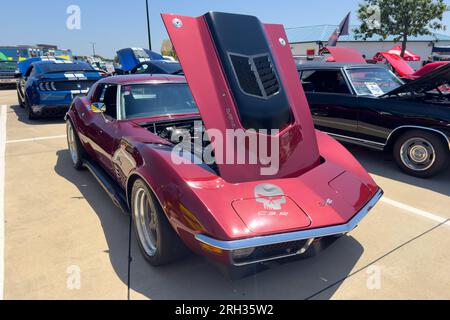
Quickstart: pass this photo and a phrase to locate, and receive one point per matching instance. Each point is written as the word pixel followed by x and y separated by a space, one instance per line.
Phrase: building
pixel 306 38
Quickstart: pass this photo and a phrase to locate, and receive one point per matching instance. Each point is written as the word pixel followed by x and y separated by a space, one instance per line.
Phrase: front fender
pixel 174 187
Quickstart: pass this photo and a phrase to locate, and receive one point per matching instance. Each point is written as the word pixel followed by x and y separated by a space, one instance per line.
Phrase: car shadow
pixel 383 165
pixel 22 117
pixel 193 277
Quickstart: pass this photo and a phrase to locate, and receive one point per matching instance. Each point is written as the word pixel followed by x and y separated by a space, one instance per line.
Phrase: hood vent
pixel 255 74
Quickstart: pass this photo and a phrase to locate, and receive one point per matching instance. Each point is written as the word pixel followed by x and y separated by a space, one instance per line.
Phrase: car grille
pixel 274 251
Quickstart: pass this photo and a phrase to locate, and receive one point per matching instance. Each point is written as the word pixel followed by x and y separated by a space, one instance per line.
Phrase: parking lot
pixel 59 223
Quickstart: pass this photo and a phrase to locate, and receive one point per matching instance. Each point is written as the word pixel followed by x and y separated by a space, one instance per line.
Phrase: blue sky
pixel 113 25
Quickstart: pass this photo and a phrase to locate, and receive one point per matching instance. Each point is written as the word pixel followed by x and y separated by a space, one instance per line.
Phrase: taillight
pixel 47 86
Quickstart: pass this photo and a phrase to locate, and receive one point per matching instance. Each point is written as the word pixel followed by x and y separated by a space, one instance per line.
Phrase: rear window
pixel 63 67
pixel 148 100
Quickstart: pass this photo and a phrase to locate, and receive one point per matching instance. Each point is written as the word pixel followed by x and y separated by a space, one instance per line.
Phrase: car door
pixel 334 107
pixel 102 128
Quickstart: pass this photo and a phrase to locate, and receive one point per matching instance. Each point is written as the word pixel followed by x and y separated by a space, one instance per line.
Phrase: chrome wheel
pixel 418 154
pixel 72 143
pixel 145 220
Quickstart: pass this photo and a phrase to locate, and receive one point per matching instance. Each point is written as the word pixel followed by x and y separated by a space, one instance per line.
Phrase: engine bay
pixel 188 133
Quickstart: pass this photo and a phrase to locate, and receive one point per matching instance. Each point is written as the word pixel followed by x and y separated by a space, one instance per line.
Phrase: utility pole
pixel 93 48
pixel 148 27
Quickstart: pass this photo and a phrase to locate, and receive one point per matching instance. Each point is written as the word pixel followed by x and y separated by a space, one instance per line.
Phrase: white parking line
pixel 2 196
pixel 418 212
pixel 36 139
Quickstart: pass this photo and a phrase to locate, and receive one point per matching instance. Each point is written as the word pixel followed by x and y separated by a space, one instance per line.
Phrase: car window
pixel 148 100
pixel 30 71
pixel 326 81
pixel 107 94
pixel 373 81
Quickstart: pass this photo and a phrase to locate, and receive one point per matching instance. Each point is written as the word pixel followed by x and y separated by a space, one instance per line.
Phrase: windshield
pixel 373 81
pixel 63 67
pixel 148 100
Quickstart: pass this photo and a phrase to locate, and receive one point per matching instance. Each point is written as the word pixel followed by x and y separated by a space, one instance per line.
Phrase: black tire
pixel 428 146
pixel 76 150
pixel 30 114
pixel 168 246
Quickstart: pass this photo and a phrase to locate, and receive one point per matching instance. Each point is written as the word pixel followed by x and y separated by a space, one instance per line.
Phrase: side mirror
pixel 98 107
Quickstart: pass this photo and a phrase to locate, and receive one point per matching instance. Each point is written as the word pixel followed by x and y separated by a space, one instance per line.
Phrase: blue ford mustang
pixel 47 87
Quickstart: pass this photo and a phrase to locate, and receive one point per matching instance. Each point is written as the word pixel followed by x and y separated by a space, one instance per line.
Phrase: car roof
pixel 335 65
pixel 143 78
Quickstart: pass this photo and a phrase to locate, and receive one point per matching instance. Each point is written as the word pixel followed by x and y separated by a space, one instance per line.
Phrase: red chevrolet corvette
pixel 240 77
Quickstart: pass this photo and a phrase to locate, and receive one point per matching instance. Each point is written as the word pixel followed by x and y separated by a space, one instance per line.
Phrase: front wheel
pixel 421 154
pixel 157 240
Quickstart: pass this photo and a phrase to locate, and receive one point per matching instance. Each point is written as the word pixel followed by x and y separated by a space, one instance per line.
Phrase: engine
pixel 190 134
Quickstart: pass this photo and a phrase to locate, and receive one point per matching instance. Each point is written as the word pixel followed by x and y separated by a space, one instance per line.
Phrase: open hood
pixel 430 81
pixel 400 65
pixel 341 54
pixel 242 76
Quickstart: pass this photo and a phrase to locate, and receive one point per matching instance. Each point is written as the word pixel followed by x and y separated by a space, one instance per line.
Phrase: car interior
pixel 108 96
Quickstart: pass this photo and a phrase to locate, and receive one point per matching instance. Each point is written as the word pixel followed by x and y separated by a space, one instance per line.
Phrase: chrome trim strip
pixel 423 128
pixel 362 141
pixel 292 236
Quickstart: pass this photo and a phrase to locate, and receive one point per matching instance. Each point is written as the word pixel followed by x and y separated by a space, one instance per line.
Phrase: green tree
pixel 400 18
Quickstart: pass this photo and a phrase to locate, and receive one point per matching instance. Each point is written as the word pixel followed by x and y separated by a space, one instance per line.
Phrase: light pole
pixel 93 48
pixel 148 27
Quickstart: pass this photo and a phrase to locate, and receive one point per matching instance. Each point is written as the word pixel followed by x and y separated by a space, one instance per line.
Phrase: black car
pixel 368 105
pixel 158 67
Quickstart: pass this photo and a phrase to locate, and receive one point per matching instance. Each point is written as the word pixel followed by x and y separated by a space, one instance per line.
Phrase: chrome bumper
pixel 292 236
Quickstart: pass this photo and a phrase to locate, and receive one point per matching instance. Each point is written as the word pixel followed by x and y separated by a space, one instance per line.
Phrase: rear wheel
pixel 30 114
pixel 75 147
pixel 19 99
pixel 420 153
pixel 157 240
